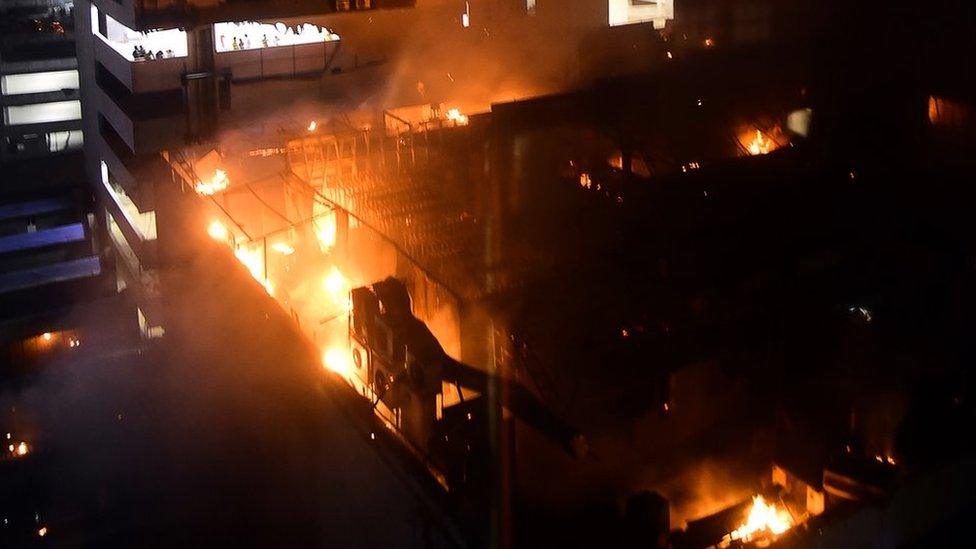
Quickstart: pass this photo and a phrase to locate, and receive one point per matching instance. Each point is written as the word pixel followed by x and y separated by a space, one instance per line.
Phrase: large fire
pixel 283 248
pixel 325 231
pixel 456 116
pixel 765 521
pixel 761 144
pixel 218 231
pixel 337 286
pixel 253 259
pixel 218 183
pixel 338 360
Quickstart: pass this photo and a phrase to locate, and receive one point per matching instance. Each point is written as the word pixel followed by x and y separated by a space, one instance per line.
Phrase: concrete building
pixel 160 76
pixel 48 257
pixel 39 77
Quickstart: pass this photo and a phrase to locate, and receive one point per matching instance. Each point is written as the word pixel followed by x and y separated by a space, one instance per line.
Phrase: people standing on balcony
pixel 139 53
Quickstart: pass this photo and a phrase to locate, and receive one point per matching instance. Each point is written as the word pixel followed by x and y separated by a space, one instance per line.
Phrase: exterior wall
pixel 38 81
pixel 142 77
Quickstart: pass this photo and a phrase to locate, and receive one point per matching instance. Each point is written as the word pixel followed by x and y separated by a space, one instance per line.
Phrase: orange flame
pixel 765 521
pixel 218 231
pixel 254 261
pixel 338 360
pixel 218 183
pixel 18 450
pixel 761 144
pixel 585 181
pixel 337 286
pixel 457 117
pixel 325 231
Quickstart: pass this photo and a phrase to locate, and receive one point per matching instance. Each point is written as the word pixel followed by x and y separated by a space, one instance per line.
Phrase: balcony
pixel 154 14
pixel 116 50
pixel 140 283
pixel 275 62
pixel 147 122
pixel 141 76
pixel 133 232
pixel 131 173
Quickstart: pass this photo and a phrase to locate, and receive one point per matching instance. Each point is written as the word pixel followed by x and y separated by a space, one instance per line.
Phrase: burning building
pixel 235 123
pixel 527 272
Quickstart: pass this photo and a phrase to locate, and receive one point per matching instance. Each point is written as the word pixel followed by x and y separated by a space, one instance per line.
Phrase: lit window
pixel 625 12
pixel 39 82
pixel 65 141
pixel 57 111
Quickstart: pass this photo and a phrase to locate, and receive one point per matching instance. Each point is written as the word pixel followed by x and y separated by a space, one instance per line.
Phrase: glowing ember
pixel 585 181
pixel 761 144
pixel 283 248
pixel 218 183
pixel 765 521
pixel 312 126
pixel 338 360
pixel 18 450
pixel 457 117
pixel 885 459
pixel 42 531
pixel 218 231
